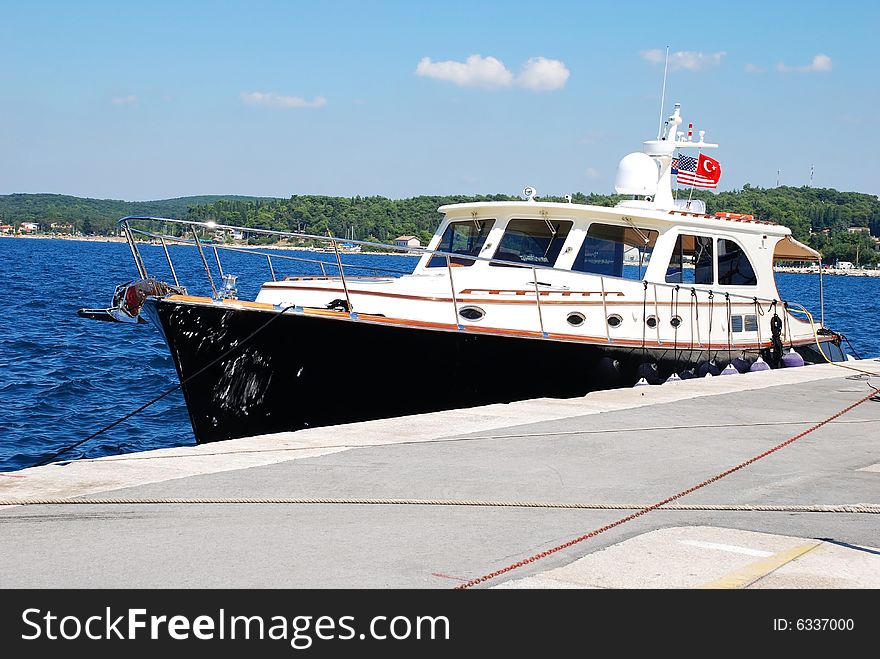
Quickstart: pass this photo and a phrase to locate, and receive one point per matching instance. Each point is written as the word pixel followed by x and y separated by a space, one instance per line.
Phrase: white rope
pixel 867 508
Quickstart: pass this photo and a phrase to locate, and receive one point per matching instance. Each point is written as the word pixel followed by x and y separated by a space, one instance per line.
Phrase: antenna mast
pixel 663 95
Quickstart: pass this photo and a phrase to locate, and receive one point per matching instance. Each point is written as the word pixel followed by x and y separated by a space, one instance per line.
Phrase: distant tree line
pixel 820 217
pixel 90 216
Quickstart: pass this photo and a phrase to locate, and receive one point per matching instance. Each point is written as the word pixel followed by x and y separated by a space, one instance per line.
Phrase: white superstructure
pixel 649 271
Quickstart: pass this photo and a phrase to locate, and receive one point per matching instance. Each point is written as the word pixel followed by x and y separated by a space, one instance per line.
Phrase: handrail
pixel 191 227
pixel 538 301
pixel 204 260
pixel 247 250
pixel 419 250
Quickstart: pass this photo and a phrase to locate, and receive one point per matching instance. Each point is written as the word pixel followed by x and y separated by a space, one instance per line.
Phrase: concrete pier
pixel 630 446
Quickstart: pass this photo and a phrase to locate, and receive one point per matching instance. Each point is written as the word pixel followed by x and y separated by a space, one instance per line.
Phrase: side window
pixel 616 251
pixel 691 261
pixel 734 267
pixel 532 241
pixel 466 238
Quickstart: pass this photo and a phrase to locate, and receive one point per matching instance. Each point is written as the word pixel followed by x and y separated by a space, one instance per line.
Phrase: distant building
pixel 6 228
pixel 407 241
pixel 28 227
pixel 235 234
pixel 61 226
pixel 859 230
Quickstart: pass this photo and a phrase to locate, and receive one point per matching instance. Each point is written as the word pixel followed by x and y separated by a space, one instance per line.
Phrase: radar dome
pixel 636 175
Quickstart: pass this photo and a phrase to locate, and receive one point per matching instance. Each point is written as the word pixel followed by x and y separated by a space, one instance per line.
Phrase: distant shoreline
pixel 846 272
pixel 85 239
pixel 120 239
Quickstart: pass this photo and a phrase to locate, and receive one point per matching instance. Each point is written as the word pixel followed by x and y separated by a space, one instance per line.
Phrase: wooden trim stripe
pixel 501 331
pixel 524 294
pixel 206 300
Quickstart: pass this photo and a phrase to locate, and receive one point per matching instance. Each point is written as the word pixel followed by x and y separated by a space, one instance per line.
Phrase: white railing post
pixel 170 264
pixel 657 316
pixel 454 299
pixel 605 309
pixel 342 276
pixel 538 301
pixel 271 269
pixel 204 260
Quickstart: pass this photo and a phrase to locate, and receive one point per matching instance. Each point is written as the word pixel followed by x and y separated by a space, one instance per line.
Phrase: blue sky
pixel 148 100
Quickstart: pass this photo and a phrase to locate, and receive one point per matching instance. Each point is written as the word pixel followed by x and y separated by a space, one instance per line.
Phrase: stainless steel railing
pixel 693 301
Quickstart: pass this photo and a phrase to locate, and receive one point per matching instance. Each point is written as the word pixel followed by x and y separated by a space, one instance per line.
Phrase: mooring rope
pixel 165 393
pixel 856 508
pixel 729 330
pixel 645 316
pixel 664 502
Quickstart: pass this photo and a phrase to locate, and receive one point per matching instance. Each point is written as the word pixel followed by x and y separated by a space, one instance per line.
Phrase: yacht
pixel 510 300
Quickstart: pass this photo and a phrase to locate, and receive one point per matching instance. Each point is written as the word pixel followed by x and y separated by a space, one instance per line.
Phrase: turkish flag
pixel 708 168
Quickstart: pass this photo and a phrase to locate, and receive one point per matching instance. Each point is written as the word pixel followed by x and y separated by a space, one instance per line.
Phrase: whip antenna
pixel 663 95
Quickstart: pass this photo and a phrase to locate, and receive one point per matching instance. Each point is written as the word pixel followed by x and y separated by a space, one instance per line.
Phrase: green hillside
pixel 93 215
pixel 818 216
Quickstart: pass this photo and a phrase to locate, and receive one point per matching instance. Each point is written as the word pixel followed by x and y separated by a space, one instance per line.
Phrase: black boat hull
pixel 249 372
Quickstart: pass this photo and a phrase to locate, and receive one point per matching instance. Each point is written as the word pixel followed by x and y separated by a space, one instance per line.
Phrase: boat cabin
pixel 671 247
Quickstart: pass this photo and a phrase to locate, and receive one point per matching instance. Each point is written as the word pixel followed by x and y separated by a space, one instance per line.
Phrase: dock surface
pixel 625 447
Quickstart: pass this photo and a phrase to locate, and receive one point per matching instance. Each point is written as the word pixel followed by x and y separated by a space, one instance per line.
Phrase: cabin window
pixel 576 318
pixel 616 251
pixel 471 313
pixel 746 323
pixel 691 261
pixel 466 238
pixel 734 267
pixel 536 242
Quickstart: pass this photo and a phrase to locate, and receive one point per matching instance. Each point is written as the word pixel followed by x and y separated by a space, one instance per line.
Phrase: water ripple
pixel 63 377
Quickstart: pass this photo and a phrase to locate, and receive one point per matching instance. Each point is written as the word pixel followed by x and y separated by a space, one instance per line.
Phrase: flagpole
pixel 691 193
pixel 675 196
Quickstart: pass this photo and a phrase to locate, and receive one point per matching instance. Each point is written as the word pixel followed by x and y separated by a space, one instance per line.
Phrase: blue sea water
pixel 63 377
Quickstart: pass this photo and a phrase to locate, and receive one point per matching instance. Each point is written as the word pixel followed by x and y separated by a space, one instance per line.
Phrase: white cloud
pixel 537 74
pixel 273 100
pixel 654 56
pixel 688 60
pixel 592 137
pixel 592 172
pixel 849 118
pixel 131 99
pixel 476 71
pixel 820 64
pixel 541 74
pixel 753 68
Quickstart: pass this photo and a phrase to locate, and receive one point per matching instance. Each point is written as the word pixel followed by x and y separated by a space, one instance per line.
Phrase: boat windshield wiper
pixel 553 233
pixel 637 230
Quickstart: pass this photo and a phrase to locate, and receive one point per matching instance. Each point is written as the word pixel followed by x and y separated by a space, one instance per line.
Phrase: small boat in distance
pixel 510 300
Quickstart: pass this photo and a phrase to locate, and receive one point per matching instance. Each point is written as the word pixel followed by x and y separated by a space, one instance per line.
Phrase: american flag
pixel 702 172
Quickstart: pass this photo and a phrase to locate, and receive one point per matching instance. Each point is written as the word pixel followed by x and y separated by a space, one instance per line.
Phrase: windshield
pixel 466 238
pixel 615 250
pixel 532 241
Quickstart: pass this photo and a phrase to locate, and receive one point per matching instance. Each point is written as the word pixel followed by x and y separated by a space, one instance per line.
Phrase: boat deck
pixel 631 446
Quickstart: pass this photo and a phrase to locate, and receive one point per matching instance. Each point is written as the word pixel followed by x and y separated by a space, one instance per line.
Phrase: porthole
pixel 675 321
pixel 575 318
pixel 651 321
pixel 471 313
pixel 614 320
